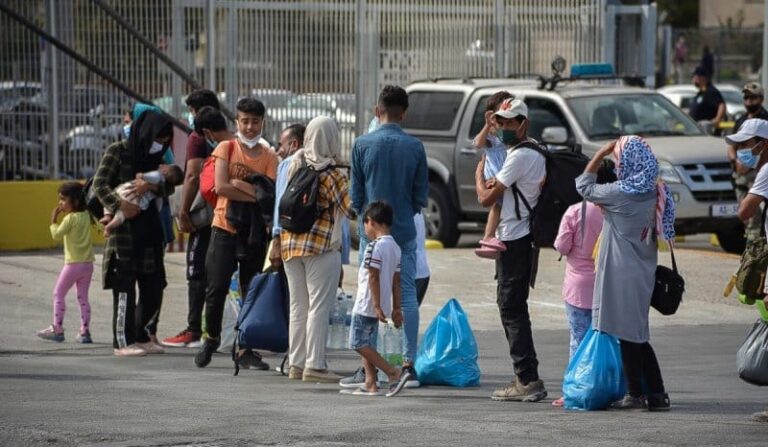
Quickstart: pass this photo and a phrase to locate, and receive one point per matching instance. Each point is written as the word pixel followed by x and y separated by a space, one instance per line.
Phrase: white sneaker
pixel 130 351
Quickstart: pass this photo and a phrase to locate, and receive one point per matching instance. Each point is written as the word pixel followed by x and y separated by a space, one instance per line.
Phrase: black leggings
pixel 640 365
pixel 220 263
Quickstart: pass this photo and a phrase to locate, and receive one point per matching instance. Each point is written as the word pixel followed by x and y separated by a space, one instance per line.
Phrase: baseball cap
pixel 512 108
pixel 753 88
pixel 751 128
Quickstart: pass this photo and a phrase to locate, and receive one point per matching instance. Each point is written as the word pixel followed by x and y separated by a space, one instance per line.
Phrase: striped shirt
pixel 332 195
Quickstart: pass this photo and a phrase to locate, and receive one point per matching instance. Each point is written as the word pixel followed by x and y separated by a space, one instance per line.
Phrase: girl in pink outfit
pixel 579 282
pixel 75 231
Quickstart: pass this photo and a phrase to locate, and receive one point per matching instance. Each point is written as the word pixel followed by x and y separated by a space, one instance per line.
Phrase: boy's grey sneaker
pixel 356 380
pixel 398 386
pixel 203 356
pixel 515 391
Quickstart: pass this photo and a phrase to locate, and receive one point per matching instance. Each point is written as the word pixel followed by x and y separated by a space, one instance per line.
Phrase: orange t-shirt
pixel 241 165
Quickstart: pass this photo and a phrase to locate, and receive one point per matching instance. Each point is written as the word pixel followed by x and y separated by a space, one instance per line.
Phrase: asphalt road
pixel 70 394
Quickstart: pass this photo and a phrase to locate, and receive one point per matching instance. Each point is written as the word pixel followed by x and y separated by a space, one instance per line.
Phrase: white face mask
pixel 250 142
pixel 156 148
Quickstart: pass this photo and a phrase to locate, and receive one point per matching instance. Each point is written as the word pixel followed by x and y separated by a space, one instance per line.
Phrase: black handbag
pixel 668 288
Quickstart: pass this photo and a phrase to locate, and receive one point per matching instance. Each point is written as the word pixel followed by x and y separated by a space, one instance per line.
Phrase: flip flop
pixel 493 243
pixel 487 253
pixel 361 392
pixel 398 386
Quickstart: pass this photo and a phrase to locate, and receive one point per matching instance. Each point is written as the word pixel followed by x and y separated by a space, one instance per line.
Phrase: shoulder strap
pixel 672 253
pixel 762 221
pixel 518 195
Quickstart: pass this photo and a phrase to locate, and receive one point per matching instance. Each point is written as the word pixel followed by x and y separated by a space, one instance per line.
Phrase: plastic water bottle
pixel 337 340
pixel 392 344
pixel 234 288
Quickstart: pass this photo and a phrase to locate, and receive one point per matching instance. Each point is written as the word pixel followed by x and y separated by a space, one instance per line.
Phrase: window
pixel 478 119
pixel 543 113
pixel 610 116
pixel 432 110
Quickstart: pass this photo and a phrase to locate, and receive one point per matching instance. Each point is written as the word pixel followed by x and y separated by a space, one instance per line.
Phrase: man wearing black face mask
pixel 744 176
pixel 708 105
pixel 519 181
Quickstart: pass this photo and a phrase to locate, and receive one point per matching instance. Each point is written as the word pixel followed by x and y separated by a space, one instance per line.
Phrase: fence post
pixel 361 66
pixel 210 40
pixel 499 42
pixel 53 92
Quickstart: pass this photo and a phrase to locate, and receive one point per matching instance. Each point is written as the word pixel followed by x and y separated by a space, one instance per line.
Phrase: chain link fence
pixel 301 58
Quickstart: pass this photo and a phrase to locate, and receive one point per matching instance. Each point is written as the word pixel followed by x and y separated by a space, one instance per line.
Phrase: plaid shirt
pixel 333 193
pixel 116 167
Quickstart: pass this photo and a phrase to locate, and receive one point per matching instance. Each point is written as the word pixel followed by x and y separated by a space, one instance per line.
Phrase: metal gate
pixel 302 58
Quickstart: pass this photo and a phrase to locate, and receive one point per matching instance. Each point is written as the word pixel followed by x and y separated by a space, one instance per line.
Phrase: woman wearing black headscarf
pixel 133 254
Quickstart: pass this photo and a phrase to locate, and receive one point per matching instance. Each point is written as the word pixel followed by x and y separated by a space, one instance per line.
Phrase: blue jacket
pixel 390 165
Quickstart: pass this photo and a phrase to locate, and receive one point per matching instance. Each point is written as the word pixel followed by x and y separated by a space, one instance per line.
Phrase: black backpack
pixel 298 206
pixel 557 194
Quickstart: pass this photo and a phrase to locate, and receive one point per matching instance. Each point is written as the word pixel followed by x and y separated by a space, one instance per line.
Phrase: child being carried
pixel 164 175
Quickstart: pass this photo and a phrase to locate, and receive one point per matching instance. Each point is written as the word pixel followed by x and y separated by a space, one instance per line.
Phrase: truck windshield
pixel 609 116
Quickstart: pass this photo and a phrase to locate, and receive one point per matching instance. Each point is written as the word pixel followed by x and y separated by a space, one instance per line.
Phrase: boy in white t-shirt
pixel 378 297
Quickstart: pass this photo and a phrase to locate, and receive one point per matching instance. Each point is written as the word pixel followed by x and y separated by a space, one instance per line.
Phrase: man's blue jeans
pixel 409 304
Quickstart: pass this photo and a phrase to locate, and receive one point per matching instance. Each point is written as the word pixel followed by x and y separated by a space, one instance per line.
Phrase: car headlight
pixel 667 173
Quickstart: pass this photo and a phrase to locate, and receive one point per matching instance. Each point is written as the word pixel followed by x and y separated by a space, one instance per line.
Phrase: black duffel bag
pixel 668 288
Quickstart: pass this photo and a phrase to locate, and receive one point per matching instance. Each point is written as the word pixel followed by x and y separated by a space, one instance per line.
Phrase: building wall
pixel 714 13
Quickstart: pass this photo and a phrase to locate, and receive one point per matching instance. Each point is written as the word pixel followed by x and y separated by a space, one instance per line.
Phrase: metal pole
pixel 764 70
pixel 499 41
pixel 53 94
pixel 210 33
pixel 361 67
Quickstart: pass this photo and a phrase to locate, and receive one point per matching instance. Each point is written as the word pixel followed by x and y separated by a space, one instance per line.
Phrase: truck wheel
pixel 440 217
pixel 732 241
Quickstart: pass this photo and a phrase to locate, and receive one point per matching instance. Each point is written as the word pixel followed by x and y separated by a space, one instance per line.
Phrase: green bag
pixel 750 278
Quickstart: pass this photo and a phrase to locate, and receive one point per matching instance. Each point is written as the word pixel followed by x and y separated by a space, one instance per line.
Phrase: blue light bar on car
pixel 591 70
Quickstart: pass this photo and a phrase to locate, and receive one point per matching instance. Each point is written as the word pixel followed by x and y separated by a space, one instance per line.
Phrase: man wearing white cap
pixel 744 177
pixel 520 177
pixel 751 143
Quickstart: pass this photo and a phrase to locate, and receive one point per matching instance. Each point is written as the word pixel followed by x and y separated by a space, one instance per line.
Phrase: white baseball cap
pixel 751 128
pixel 512 108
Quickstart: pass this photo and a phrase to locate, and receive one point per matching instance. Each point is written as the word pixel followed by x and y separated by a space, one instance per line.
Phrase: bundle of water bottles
pixel 340 321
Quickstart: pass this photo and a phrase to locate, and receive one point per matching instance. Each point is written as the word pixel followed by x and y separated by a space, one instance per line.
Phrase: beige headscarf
pixel 321 146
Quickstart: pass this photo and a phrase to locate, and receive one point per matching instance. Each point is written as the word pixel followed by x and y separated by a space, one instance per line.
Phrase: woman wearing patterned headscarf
pixel 638 211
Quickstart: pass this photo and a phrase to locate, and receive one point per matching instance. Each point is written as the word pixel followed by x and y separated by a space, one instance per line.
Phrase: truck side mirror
pixel 554 135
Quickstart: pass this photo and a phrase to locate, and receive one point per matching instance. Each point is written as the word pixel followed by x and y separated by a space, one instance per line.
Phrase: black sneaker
pixel 203 356
pixel 354 381
pixel 411 381
pixel 658 402
pixel 251 360
pixel 628 403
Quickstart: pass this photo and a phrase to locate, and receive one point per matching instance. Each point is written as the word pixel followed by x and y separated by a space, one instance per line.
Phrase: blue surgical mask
pixel 373 125
pixel 127 130
pixel 211 143
pixel 747 158
pixel 191 120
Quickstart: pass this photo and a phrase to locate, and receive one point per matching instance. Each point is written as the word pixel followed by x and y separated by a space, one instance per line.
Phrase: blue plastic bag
pixel 595 376
pixel 263 321
pixel 448 351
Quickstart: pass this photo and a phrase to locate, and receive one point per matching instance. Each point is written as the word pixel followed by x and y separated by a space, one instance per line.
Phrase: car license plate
pixel 724 209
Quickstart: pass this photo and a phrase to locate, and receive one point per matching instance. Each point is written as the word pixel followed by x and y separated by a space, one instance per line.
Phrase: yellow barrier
pixel 26 208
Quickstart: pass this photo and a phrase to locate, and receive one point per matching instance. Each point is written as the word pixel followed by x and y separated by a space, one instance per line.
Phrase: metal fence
pixel 302 58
